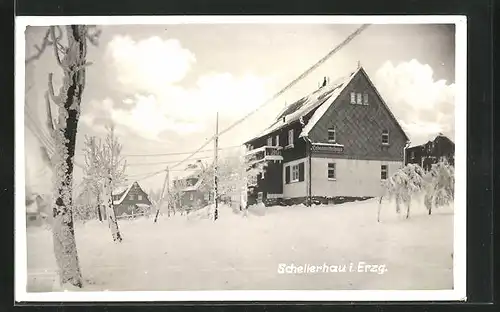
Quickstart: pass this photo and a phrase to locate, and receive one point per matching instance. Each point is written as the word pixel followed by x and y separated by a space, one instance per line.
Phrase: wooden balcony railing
pixel 265 153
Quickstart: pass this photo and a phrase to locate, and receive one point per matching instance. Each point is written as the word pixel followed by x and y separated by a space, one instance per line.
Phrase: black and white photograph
pixel 240 158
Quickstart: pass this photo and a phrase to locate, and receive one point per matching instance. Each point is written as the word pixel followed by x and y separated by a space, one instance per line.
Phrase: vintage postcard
pixel 234 158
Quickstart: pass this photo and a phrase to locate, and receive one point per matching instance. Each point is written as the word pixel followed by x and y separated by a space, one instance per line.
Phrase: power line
pixel 179 153
pixel 302 76
pixel 291 84
pixel 164 162
pixel 42 136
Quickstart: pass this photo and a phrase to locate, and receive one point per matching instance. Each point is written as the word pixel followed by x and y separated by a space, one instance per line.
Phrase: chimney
pixel 324 82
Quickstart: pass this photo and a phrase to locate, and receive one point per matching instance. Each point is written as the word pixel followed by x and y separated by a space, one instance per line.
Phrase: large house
pixel 437 149
pixel 336 144
pixel 130 201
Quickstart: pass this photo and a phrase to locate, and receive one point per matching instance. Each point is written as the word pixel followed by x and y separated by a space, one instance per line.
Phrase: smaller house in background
pixel 130 201
pixel 437 149
pixel 191 195
pixel 37 208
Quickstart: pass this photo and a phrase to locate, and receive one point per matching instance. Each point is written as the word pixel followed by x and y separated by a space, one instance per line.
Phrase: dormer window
pixel 385 137
pixel 332 137
pixel 270 141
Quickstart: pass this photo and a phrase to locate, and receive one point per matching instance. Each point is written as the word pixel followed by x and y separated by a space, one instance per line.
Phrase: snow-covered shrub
pixel 402 186
pixel 440 186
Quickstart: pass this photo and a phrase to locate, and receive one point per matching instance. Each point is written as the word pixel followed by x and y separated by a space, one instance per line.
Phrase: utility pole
pixel 216 146
pixel 161 195
pixel 168 192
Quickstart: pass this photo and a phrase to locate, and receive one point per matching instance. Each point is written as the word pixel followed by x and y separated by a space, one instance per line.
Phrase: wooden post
pixel 161 196
pixel 216 146
pixel 168 192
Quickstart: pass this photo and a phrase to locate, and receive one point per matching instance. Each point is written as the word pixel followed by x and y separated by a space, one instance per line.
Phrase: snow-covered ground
pixel 243 253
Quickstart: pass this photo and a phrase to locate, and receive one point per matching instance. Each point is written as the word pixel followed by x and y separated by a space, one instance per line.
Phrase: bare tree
pixel 235 173
pixel 175 194
pixel 62 129
pixel 104 170
pixel 93 177
pixel 114 164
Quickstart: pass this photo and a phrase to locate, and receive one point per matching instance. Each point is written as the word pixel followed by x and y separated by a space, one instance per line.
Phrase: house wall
pixel 272 182
pixel 132 197
pixel 354 178
pixel 129 202
pixel 359 127
pixel 298 151
pixel 193 199
pixel 295 189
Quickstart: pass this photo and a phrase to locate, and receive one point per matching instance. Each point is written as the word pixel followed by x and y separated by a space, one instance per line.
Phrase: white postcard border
pixel 459 264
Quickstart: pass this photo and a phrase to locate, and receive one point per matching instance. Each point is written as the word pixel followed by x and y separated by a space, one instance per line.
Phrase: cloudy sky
pixel 162 85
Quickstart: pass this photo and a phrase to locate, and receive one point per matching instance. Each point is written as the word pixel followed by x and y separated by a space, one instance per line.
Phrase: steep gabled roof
pixel 195 186
pixel 306 105
pixel 325 106
pixel 318 104
pixel 125 193
pixel 429 139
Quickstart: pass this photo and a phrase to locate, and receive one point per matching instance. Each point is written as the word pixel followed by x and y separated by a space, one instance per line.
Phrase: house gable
pixel 359 127
pixel 131 196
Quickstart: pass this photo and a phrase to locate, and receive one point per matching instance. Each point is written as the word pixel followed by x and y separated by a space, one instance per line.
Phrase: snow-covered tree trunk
pixel 59 149
pixel 110 212
pixel 98 207
pixel 68 101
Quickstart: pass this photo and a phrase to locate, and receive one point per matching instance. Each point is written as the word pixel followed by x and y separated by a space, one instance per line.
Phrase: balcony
pixel 264 153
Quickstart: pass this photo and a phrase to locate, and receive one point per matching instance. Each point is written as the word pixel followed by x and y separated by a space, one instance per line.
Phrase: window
pixel 385 137
pixel 290 137
pixel 270 141
pixel 131 197
pixel 359 99
pixel 277 140
pixel 295 173
pixel 384 172
pixel 331 171
pixel 353 97
pixel 365 98
pixel 331 135
pixel 139 197
pixel 412 155
pixel 191 196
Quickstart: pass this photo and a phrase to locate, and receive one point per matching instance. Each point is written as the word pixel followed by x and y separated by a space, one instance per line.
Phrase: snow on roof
pixel 307 104
pixel 32 208
pixel 195 186
pixel 120 189
pixel 120 200
pixel 326 105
